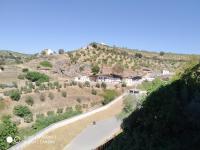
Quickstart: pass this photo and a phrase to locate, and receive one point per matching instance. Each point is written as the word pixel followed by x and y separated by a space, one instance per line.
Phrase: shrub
pixel 25 70
pixel 87 84
pixel 138 55
pixel 95 69
pixel 15 95
pixel 60 110
pixel 64 93
pixel 37 77
pixel 39 116
pixel 29 100
pixel 78 100
pixel 7 128
pixel 21 76
pixel 98 85
pixel 128 104
pixel 109 95
pixel 21 111
pixel 65 85
pixel 50 113
pixel 78 108
pixel 85 106
pixel 42 97
pixel 51 96
pixel 162 53
pixel 103 85
pixel 94 92
pixel 28 118
pixel 46 64
pixel 69 109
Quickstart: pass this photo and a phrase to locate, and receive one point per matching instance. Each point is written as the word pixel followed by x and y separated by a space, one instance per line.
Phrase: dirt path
pixel 60 137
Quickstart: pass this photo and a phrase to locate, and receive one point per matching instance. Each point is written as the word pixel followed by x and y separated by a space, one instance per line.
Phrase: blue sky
pixel 31 25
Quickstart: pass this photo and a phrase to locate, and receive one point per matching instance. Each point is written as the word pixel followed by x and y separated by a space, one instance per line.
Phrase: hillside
pixel 10 57
pixel 169 118
pixel 101 54
pixel 80 61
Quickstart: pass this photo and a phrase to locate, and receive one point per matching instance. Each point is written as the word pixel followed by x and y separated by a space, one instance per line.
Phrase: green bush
pixel 29 100
pixel 98 85
pixel 51 95
pixel 109 95
pixel 37 77
pixel 46 121
pixel 46 64
pixel 42 97
pixel 15 95
pixel 78 100
pixel 60 110
pixel 50 113
pixel 21 76
pixel 78 108
pixel 64 93
pixel 95 69
pixel 21 111
pixel 103 85
pixel 69 109
pixel 7 128
pixel 25 70
pixel 87 84
pixel 94 92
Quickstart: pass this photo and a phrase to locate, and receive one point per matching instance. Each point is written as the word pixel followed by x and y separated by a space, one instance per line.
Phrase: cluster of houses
pixel 128 77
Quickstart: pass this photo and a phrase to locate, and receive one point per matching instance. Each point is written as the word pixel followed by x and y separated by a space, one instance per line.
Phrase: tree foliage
pixel 37 77
pixel 109 95
pixel 7 128
pixel 95 69
pixel 21 111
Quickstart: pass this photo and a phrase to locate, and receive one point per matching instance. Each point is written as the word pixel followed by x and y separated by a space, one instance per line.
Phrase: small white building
pixel 128 81
pixel 82 79
pixel 47 51
pixel 165 72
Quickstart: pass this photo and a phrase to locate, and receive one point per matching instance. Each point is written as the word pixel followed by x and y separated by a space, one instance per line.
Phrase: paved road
pixel 95 135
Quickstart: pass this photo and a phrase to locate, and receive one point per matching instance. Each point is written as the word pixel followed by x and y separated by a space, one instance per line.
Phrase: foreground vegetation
pixel 43 122
pixel 168 119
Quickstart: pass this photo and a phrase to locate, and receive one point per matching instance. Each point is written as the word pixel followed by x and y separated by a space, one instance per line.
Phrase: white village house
pixel 165 72
pixel 82 79
pixel 47 51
